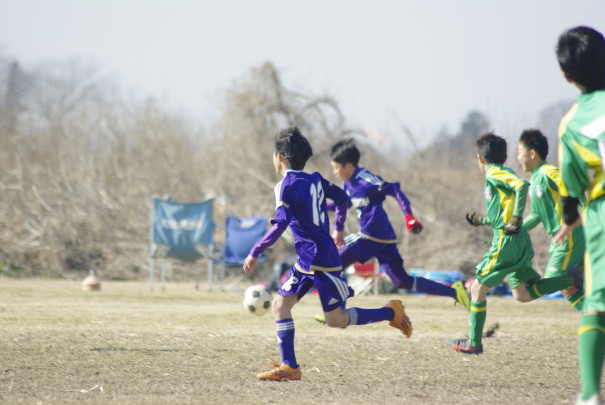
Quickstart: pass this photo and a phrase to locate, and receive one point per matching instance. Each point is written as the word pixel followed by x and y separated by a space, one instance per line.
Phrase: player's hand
pixel 513 226
pixel 249 264
pixel 474 219
pixel 414 226
pixel 339 238
pixel 565 230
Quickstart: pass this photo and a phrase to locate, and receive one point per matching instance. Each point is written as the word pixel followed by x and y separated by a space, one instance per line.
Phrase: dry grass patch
pixel 60 345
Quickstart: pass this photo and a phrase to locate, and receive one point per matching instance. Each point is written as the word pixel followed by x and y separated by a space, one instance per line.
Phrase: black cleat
pixel 464 346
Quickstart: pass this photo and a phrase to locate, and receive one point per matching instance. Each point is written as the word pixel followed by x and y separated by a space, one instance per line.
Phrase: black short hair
pixel 534 139
pixel 344 152
pixel 581 55
pixel 294 147
pixel 492 148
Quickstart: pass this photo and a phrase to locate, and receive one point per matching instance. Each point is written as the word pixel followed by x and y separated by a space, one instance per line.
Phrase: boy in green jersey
pixel 581 56
pixel 511 252
pixel 546 208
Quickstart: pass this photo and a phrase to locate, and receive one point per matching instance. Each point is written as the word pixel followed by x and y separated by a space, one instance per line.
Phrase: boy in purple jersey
pixel 376 238
pixel 300 200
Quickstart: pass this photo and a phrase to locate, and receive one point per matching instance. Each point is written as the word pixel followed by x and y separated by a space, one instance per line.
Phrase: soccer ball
pixel 257 299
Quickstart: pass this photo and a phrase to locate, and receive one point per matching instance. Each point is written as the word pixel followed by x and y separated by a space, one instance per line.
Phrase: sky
pixel 426 62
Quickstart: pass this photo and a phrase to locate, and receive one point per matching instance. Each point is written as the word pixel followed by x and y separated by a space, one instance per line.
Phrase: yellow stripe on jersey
pixel 554 175
pixel 566 120
pixel 282 203
pixel 587 273
pixel 495 255
pixel 594 161
pixel 562 129
pixel 507 200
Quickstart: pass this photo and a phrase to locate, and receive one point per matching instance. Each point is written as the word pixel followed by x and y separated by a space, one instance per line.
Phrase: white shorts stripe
pixel 340 285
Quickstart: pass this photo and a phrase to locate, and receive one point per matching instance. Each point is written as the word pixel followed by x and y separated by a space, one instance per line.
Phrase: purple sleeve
pixel 340 202
pixel 340 216
pixel 393 190
pixel 330 205
pixel 269 239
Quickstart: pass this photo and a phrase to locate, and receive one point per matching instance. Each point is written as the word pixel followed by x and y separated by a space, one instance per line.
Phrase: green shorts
pixel 594 262
pixel 566 255
pixel 510 255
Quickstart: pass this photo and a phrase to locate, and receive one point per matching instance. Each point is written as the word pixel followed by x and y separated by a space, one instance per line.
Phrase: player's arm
pixel 572 189
pixel 413 225
pixel 341 202
pixel 283 216
pixel 477 220
pixel 533 218
pixel 513 226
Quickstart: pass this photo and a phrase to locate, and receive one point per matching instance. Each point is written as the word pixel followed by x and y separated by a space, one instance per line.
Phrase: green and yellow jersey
pixel 546 204
pixel 505 195
pixel 581 145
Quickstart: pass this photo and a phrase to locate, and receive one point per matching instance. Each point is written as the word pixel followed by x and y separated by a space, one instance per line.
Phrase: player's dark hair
pixel 344 152
pixel 294 147
pixel 581 55
pixel 534 139
pixel 492 148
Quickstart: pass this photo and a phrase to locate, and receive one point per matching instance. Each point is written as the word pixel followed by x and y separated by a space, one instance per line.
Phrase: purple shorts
pixel 361 249
pixel 331 286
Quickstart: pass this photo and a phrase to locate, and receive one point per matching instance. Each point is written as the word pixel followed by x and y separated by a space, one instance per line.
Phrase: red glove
pixel 414 226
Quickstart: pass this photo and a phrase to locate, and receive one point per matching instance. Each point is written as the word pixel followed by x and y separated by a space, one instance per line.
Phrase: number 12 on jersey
pixel 317 195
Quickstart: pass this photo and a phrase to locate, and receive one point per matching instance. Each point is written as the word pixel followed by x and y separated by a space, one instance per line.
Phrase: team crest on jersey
pixel 539 191
pixel 488 194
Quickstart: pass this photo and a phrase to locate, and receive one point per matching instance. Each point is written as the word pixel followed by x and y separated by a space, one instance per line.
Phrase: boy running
pixel 300 200
pixel 376 237
pixel 581 56
pixel 545 186
pixel 511 252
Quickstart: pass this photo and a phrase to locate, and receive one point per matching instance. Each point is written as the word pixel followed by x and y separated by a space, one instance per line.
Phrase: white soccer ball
pixel 257 299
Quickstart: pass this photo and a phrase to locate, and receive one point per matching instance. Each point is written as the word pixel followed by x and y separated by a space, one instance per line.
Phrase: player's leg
pixel 565 256
pixel 295 287
pixel 539 287
pixel 592 326
pixel 348 255
pixel 494 267
pixel 478 315
pixel 391 261
pixel 333 293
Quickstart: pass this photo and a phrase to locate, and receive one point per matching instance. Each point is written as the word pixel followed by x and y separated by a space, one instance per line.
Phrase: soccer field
pixel 126 345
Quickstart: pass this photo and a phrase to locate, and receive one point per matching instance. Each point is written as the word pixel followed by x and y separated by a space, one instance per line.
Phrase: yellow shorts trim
pixel 376 239
pixel 313 269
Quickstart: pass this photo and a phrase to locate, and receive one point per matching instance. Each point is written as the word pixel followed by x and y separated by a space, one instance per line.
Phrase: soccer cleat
pixel 461 295
pixel 577 276
pixel 281 372
pixel 321 318
pixel 400 320
pixel 464 346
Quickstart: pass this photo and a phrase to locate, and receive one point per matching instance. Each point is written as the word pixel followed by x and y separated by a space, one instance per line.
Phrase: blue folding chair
pixel 241 234
pixel 184 231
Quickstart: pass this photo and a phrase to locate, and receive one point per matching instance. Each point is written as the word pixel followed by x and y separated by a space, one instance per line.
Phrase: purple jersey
pixel 367 192
pixel 300 200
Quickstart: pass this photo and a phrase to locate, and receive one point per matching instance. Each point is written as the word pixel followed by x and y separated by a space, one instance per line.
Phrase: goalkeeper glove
pixel 413 225
pixel 513 226
pixel 474 219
